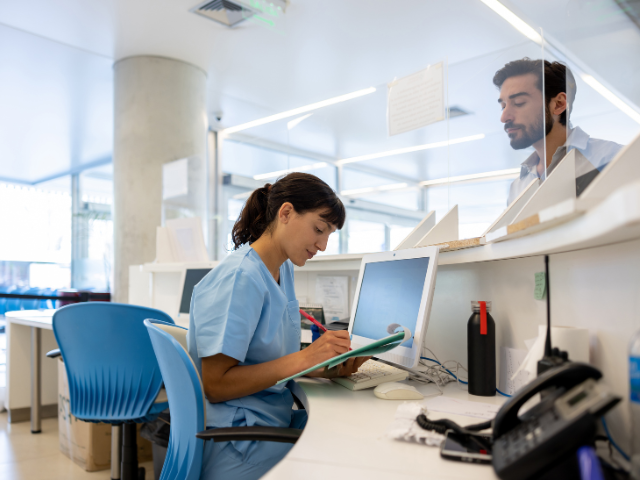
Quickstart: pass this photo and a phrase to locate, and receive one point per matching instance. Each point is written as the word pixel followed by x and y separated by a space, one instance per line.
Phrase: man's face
pixel 521 103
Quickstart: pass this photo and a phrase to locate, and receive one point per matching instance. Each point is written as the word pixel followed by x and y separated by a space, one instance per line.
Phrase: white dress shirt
pixel 597 152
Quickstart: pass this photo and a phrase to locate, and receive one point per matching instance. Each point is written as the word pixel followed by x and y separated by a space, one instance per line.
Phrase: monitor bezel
pixel 403 356
pixel 183 281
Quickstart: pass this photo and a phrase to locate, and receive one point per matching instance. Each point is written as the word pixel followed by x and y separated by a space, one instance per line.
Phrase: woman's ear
pixel 285 213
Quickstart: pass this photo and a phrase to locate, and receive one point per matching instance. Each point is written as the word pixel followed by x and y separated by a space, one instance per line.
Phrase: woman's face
pixel 301 236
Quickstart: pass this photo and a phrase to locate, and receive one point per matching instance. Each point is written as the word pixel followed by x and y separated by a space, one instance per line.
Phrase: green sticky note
pixel 541 286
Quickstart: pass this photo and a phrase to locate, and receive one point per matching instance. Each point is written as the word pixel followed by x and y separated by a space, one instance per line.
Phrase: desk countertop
pixel 345 438
pixel 32 318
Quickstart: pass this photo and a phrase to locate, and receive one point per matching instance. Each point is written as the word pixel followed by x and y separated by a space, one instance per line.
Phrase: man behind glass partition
pixel 520 84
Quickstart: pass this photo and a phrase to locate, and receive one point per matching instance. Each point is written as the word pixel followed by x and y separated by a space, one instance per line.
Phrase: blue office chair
pixel 31 304
pixel 46 304
pixel 112 372
pixel 187 407
pixel 14 304
pixel 3 300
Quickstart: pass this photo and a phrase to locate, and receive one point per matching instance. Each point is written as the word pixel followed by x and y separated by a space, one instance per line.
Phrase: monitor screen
pixel 391 292
pixel 191 279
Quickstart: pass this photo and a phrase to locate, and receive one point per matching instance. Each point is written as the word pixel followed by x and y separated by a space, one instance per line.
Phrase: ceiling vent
pixel 456 111
pixel 223 11
pixel 230 13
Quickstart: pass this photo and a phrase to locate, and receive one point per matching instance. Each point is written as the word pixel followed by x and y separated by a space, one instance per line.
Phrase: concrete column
pixel 160 116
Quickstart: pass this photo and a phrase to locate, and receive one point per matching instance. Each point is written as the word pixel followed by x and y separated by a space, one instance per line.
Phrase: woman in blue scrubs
pixel 244 330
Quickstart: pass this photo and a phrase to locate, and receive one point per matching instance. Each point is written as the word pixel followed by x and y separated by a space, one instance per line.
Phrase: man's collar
pixel 577 138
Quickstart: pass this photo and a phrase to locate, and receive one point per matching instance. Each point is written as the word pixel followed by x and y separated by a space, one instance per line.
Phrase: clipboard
pixel 375 348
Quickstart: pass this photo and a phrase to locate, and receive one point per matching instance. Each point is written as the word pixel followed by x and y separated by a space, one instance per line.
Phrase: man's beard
pixel 528 138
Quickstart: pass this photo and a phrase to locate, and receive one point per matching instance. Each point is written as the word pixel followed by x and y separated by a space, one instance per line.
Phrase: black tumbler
pixel 481 350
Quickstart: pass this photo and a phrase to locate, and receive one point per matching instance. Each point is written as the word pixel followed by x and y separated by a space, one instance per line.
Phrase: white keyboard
pixel 371 374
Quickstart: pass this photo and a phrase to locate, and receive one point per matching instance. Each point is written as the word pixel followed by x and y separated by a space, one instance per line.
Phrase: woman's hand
pixel 345 369
pixel 329 345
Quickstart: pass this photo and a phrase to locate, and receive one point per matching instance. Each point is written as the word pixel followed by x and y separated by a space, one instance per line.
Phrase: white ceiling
pixel 56 76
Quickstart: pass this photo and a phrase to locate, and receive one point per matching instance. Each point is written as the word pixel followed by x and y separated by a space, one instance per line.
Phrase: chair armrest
pixel 297 402
pixel 54 353
pixel 265 434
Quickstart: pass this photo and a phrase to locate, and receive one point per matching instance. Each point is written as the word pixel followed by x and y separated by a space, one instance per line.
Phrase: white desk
pixel 36 321
pixel 345 439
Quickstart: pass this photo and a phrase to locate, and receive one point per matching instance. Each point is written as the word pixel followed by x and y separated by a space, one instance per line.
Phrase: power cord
pixel 442 425
pixel 615 445
pixel 443 367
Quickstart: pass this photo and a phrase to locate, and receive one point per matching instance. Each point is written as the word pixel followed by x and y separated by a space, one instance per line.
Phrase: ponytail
pixel 304 191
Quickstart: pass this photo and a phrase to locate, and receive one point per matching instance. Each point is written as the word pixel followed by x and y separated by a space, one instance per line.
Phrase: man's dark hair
pixel 557 78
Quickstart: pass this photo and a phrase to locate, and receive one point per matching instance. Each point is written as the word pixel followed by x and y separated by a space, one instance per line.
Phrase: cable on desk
pixel 457 379
pixel 615 445
pixel 447 370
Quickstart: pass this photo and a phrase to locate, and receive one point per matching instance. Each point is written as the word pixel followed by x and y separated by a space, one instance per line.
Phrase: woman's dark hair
pixel 557 78
pixel 304 191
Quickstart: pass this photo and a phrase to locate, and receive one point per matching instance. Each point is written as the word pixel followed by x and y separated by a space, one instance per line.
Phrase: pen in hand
pixel 315 322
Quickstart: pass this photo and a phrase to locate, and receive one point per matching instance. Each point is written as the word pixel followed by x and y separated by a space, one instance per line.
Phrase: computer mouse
pixel 397 391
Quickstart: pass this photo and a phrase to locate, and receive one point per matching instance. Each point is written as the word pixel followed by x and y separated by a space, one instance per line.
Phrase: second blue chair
pixel 112 371
pixel 187 407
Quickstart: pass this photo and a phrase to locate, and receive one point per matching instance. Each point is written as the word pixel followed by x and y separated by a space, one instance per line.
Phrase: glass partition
pixel 511 117
pixel 598 46
pixel 347 144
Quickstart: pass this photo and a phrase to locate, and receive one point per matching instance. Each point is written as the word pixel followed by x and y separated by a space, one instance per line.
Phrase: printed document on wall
pixel 332 292
pixel 417 100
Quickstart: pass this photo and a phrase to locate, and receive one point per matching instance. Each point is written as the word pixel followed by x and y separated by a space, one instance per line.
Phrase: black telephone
pixel 542 442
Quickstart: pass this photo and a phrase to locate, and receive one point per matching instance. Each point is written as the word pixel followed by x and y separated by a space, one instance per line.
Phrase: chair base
pixel 130 469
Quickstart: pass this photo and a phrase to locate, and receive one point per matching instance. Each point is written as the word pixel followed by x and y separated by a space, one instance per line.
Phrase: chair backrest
pixel 186 401
pixel 112 370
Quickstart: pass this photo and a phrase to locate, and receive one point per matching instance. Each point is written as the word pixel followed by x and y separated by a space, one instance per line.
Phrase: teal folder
pixel 376 348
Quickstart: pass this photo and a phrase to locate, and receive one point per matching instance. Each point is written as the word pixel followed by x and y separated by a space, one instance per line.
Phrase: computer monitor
pixel 191 278
pixel 394 287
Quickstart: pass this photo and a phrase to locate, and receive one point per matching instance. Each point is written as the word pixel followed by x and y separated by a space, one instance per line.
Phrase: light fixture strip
pixel 519 24
pixel 299 110
pixel 496 174
pixel 612 97
pixel 381 188
pixel 415 148
pixel 304 168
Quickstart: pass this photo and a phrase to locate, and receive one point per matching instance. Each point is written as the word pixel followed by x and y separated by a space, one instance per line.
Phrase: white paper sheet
pixel 187 239
pixel 404 426
pixel 462 407
pixel 175 178
pixel 510 361
pixel 417 100
pixel 332 292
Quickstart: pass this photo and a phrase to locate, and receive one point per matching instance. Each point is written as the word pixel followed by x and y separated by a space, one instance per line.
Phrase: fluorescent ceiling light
pixel 382 188
pixel 296 121
pixel 243 195
pixel 299 110
pixel 496 174
pixel 514 20
pixel 609 95
pixel 416 148
pixel 304 168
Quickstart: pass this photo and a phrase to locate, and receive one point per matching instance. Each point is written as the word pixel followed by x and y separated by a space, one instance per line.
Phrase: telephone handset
pixel 527 446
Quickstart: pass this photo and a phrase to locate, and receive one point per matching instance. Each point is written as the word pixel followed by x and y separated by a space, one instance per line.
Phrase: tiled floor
pixel 24 456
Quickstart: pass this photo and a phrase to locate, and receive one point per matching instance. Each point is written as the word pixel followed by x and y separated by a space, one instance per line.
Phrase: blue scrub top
pixel 238 309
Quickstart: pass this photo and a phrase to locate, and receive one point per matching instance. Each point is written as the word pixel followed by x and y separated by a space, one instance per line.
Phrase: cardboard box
pixel 87 444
